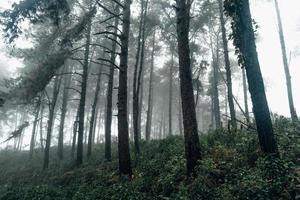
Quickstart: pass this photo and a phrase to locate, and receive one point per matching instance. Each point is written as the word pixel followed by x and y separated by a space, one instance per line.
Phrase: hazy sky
pixel 268 49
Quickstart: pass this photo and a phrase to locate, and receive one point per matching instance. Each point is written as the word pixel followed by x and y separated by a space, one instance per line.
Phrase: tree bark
pixel 32 141
pixel 81 116
pixel 123 137
pixel 109 94
pixel 286 65
pixel 216 102
pixel 94 107
pixel 227 67
pixel 247 47
pixel 150 94
pixel 192 145
pixel 171 90
pixel 67 82
pixel 245 96
pixel 51 120
pixel 41 126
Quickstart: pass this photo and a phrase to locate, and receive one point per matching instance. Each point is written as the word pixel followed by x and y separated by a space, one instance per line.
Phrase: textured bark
pixel 227 67
pixel 150 93
pixel 93 114
pixel 123 137
pixel 67 82
pixel 192 146
pixel 216 102
pixel 75 130
pixel 171 91
pixel 81 115
pixel 255 80
pixel 286 65
pixel 51 121
pixel 109 95
pixel 33 134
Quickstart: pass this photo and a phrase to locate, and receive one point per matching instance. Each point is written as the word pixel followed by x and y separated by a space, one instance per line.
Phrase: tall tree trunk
pixel 94 106
pixel 75 130
pixel 171 90
pixel 150 94
pixel 51 120
pixel 109 94
pixel 67 82
pixel 227 67
pixel 123 137
pixel 245 95
pixel 192 145
pixel 216 102
pixel 32 141
pixel 41 126
pixel 81 115
pixel 286 65
pixel 247 47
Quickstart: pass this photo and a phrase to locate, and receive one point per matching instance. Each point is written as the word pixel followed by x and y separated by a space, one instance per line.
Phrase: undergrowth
pixel 232 168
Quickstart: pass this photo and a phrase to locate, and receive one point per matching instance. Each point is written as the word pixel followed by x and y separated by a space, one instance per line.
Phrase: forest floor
pixel 232 168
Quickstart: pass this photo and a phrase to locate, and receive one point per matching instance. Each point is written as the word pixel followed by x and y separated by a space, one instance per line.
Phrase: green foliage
pixel 232 168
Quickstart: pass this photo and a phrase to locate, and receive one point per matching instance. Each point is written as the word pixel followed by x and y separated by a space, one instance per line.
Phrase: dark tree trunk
pixel 286 65
pixel 67 82
pixel 75 130
pixel 41 126
pixel 150 95
pixel 247 47
pixel 33 135
pixel 51 120
pixel 94 107
pixel 227 67
pixel 192 145
pixel 123 137
pixel 81 116
pixel 109 94
pixel 216 102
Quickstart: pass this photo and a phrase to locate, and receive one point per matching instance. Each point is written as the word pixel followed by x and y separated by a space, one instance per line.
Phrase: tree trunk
pixel 32 141
pixel 286 65
pixel 150 95
pixel 227 67
pixel 81 115
pixel 216 102
pixel 75 130
pixel 94 106
pixel 67 82
pixel 245 96
pixel 123 137
pixel 41 126
pixel 109 94
pixel 171 90
pixel 192 145
pixel 51 120
pixel 247 47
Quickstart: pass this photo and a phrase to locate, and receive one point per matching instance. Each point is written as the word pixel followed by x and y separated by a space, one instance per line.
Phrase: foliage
pixel 232 168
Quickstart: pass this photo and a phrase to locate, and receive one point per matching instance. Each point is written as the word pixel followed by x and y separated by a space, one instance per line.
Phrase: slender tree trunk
pixel 32 141
pixel 79 158
pixel 227 67
pixel 109 94
pixel 192 145
pixel 247 47
pixel 150 95
pixel 67 82
pixel 75 130
pixel 171 90
pixel 41 126
pixel 286 65
pixel 217 115
pixel 123 137
pixel 245 95
pixel 94 106
pixel 51 120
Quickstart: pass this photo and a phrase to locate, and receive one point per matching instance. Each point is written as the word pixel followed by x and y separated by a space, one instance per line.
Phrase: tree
pixel 123 135
pixel 227 67
pixel 192 146
pixel 244 41
pixel 50 123
pixel 286 65
pixel 33 135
